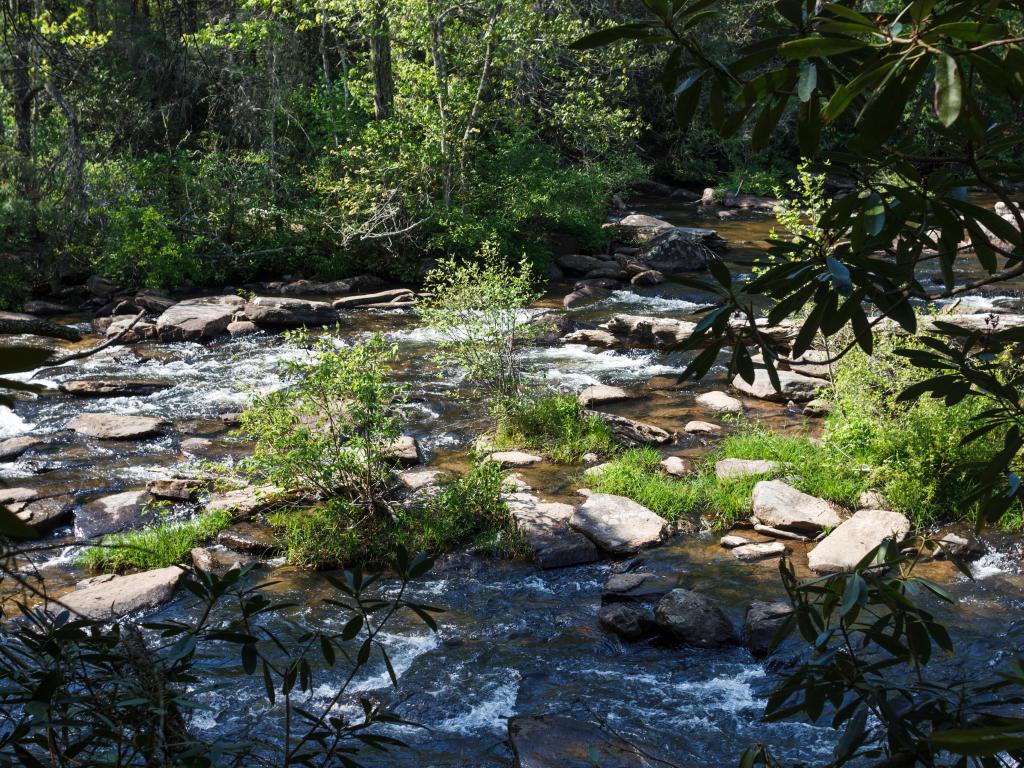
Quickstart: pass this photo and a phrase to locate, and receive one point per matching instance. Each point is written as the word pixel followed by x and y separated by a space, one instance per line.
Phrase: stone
pixel 614 272
pixel 126 329
pixel 702 428
pixel 13 447
pixel 781 506
pixel 110 514
pixel 592 337
pixel 598 394
pixel 576 262
pixel 647 277
pixel 763 619
pixel 154 302
pixel 101 287
pixel 281 312
pixel 624 620
pixel 198 319
pixel 114 387
pixel 633 432
pixel 854 538
pixel 817 408
pixel 589 294
pixel 515 458
pixel 111 426
pixel 682 249
pixel 750 202
pixel 178 489
pixel 551 741
pixel 242 328
pixel 597 470
pixel 793 386
pixel 121 595
pixel 617 524
pixel 381 297
pixel 244 502
pixel 20 495
pixel 46 308
pixel 732 541
pixel 719 401
pixel 676 466
pixel 872 499
pixel 46 514
pixel 196 445
pixel 405 450
pixel 733 469
pixel 250 538
pixel 545 526
pixel 640 228
pixel 761 551
pixel 633 587
pixel 693 619
pixel 963 546
pixel 420 478
pixel 659 332
pixel 216 559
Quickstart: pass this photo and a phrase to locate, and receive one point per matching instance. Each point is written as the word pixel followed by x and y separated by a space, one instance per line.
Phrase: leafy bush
pixel 141 249
pixel 164 543
pixel 555 425
pixel 333 431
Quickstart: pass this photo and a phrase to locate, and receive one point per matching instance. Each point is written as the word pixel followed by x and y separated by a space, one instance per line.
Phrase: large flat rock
pixel 119 595
pixel 244 502
pixel 793 386
pixel 110 514
pixel 602 393
pixel 112 426
pixel 545 526
pixel 113 387
pixel 617 524
pixel 637 587
pixel 550 741
pixel 778 505
pixel 381 297
pixel 286 312
pixel 198 319
pixel 13 447
pixel 45 514
pixel 844 547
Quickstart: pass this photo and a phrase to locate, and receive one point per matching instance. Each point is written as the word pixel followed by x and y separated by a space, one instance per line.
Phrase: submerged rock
pixel 693 619
pixel 110 514
pixel 119 595
pixel 111 426
pixel 545 526
pixel 627 622
pixel 45 514
pixel 617 524
pixel 114 387
pixel 759 551
pixel 762 621
pixel 844 547
pixel 550 741
pixel 779 505
pixel 633 587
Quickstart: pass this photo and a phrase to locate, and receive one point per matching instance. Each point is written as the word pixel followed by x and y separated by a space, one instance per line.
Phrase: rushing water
pixel 514 640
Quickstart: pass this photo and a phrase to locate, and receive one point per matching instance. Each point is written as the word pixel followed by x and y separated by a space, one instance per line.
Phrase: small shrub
pixel 556 425
pixel 165 543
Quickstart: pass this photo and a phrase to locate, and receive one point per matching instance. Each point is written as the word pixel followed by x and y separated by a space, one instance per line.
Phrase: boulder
pixel 198 319
pixel 242 328
pixel 111 426
pixel 101 287
pixel 110 514
pixel 964 546
pixel 640 228
pixel 284 312
pixel 592 337
pixel 515 458
pixel 702 428
pixel 693 619
pixel 633 432
pixel 113 387
pixel 577 262
pixel 597 470
pixel 762 621
pixel 676 466
pixel 588 294
pixel 732 541
pixel 733 469
pixel 719 401
pixel 794 386
pixel 750 202
pixel 779 505
pixel 45 514
pixel 817 408
pixel 749 553
pixel 681 249
pixel 120 595
pixel 45 308
pixel 152 301
pixel 550 741
pixel 405 450
pixel 216 559
pixel 646 278
pixel 545 526
pixel 636 587
pixel 420 478
pixel 614 272
pixel 381 297
pixel 126 329
pixel 598 394
pixel 617 524
pixel 627 622
pixel 196 445
pixel 845 546
pixel 659 332
pixel 178 489
pixel 872 499
pixel 250 538
pixel 13 447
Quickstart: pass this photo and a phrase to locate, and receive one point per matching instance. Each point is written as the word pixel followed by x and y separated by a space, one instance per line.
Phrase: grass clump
pixel 557 426
pixel 166 543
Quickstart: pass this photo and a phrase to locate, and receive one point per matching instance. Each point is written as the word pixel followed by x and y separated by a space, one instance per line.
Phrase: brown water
pixel 515 640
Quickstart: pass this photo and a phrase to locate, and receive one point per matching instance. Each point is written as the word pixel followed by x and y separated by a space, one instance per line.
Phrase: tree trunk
pixel 380 57
pixel 441 77
pixel 23 96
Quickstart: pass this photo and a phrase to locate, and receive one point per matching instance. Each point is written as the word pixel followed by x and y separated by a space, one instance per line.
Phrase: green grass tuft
pixel 557 426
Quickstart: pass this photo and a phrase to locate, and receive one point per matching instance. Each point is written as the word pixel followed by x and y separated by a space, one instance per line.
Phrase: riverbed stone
pixel 121 595
pixel 793 386
pixel 581 263
pixel 41 308
pixel 763 619
pixel 731 541
pixel 126 329
pixel 624 620
pixel 702 428
pixel 617 524
pixel 646 278
pixel 661 332
pixel 176 488
pixel 552 741
pixel 677 466
pixel 681 249
pixel 598 394
pixel 960 544
pixel 733 469
pixel 545 526
pixel 380 297
pixel 637 587
pixel 251 538
pixel 405 450
pixel 45 514
pixel 845 546
pixel 242 328
pixel 201 319
pixel 817 408
pixel 587 294
pixel 719 401
pixel 592 337
pixel 110 514
pixel 872 499
pixel 114 387
pixel 282 312
pixel 196 445
pixel 776 504
pixel 13 447
pixel 633 432
pixel 420 478
pixel 515 458
pixel 693 619
pixel 765 550
pixel 217 559
pixel 245 502
pixel 112 426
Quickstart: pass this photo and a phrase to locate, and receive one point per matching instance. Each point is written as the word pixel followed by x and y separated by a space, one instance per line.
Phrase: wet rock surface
pixel 14 447
pixel 845 546
pixel 763 619
pixel 198 319
pixel 116 596
pixel 113 387
pixel 693 619
pixel 550 741
pixel 110 514
pixel 250 538
pixel 779 505
pixel 617 524
pixel 545 526
pixel 111 426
